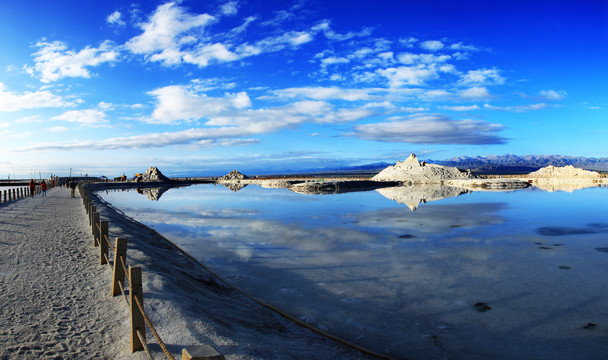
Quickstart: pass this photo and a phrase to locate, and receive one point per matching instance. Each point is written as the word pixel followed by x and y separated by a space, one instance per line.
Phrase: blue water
pixel 403 282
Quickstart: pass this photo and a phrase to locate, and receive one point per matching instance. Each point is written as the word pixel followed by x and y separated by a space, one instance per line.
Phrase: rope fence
pixel 134 299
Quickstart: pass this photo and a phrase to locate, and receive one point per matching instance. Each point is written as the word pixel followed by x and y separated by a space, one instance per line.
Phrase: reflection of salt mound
pixel 234 175
pixel 412 196
pixel 155 193
pixel 234 186
pixel 567 185
pixel 414 171
pixel 154 175
pixel 569 172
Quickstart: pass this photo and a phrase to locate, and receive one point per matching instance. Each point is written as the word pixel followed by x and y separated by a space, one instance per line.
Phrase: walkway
pixel 54 294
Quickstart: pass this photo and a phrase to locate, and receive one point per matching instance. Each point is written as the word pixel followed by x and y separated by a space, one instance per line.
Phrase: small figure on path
pixel 43 187
pixel 32 187
pixel 72 186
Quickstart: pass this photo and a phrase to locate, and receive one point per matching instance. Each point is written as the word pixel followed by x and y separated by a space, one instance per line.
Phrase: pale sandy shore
pixel 56 302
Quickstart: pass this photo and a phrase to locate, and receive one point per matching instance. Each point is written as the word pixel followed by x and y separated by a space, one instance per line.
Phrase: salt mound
pixel 234 175
pixel 414 171
pixel 568 172
pixel 154 175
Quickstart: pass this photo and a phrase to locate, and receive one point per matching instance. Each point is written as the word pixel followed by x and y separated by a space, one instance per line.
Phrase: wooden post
pixel 9 195
pixel 95 228
pixel 103 241
pixel 5 200
pixel 92 210
pixel 118 275
pixel 137 318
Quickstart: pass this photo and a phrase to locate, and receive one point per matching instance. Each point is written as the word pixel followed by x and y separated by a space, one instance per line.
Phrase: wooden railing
pixel 133 276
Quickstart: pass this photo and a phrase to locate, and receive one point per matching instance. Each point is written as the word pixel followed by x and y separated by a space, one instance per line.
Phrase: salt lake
pixel 518 274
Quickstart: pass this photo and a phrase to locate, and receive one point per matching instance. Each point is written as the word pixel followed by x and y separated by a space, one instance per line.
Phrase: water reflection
pixel 358 264
pixel 567 185
pixel 413 195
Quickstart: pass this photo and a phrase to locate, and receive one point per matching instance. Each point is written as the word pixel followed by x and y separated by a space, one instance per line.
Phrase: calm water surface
pixel 480 274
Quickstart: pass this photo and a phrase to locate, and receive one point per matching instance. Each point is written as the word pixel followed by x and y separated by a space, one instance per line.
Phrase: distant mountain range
pixel 515 164
pixel 502 164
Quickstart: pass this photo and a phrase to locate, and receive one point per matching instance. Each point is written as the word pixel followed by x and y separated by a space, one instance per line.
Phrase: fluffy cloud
pixel 90 117
pixel 408 75
pixel 329 93
pixel 168 26
pixel 115 19
pixel 177 104
pixel 474 93
pixel 410 59
pixel 461 107
pixel 481 77
pixel 230 8
pixel 432 129
pixel 432 45
pixel 10 101
pixel 552 95
pixel 54 61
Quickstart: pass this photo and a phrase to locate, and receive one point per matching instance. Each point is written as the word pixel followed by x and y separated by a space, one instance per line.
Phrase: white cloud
pixel 10 101
pixel 410 59
pixel 177 104
pixel 553 95
pixel 90 117
pixel 115 18
pixel 462 47
pixel 461 107
pixel 517 108
pixel 54 61
pixel 230 8
pixel 432 45
pixel 201 56
pixel 481 77
pixel 409 42
pixel 165 29
pixel 474 93
pixel 408 75
pixel 432 129
pixel 334 60
pixel 328 93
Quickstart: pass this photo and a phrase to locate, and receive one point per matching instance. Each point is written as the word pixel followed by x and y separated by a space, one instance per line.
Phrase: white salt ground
pixel 56 303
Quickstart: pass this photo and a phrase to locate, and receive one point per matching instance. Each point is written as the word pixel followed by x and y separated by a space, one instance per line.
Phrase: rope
pixel 143 343
pixel 122 290
pixel 124 267
pixel 109 244
pixel 149 323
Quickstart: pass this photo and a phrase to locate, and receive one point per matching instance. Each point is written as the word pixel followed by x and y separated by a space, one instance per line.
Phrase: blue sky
pixel 203 87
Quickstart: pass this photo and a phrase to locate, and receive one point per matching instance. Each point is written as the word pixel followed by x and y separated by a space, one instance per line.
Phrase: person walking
pixel 72 187
pixel 43 187
pixel 32 187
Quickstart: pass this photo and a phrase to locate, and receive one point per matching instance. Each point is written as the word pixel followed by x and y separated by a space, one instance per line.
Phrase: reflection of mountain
pixel 568 185
pixel 154 193
pixel 412 196
pixel 234 186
